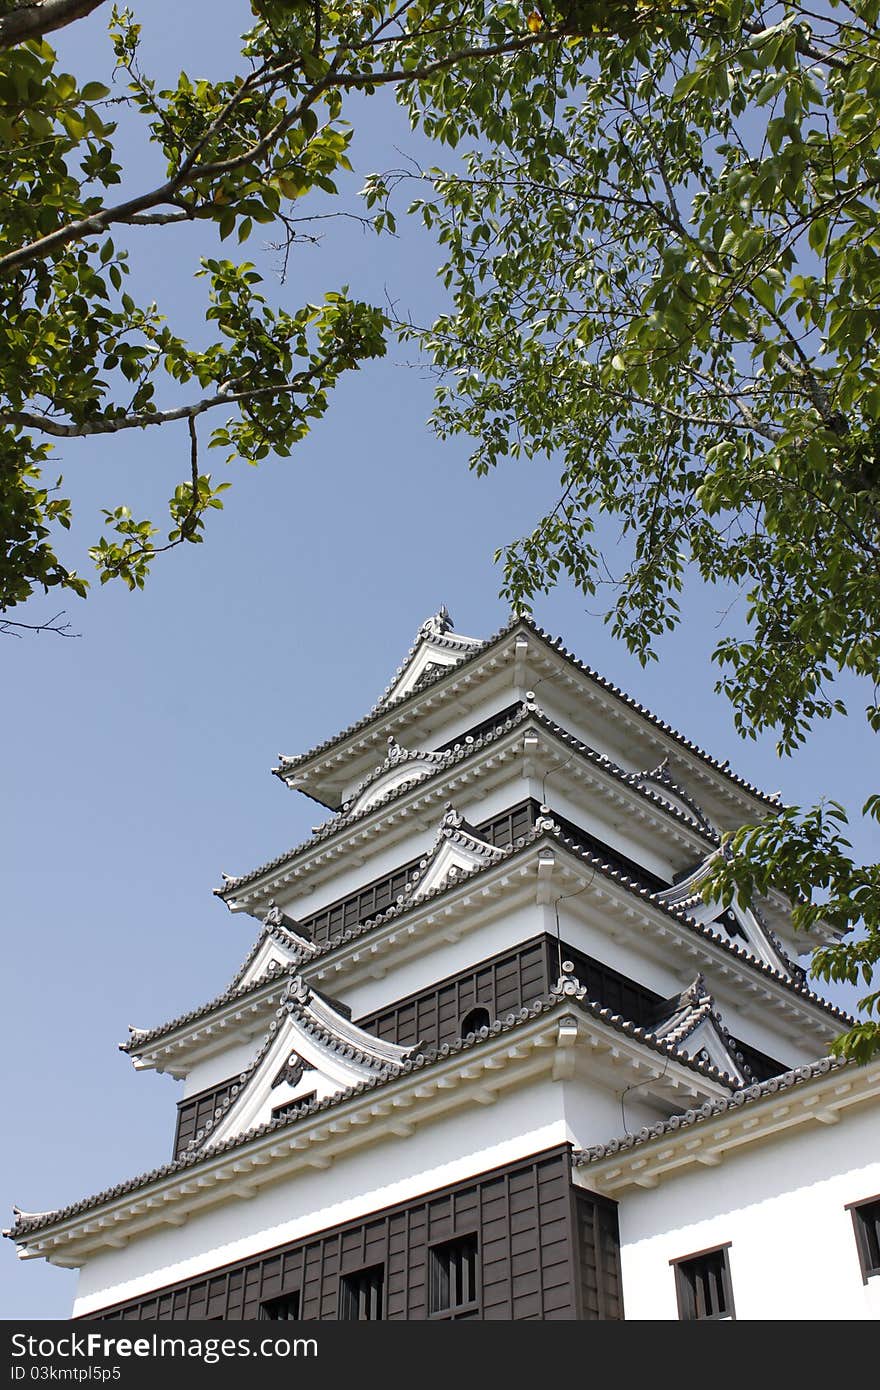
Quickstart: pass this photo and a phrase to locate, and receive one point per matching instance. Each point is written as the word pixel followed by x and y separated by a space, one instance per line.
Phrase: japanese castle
pixel 491 1055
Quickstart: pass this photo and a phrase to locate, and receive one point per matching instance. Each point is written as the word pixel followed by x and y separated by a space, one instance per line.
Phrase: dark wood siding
pixel 531 1256
pixel 195 1110
pixel 604 984
pixel 760 1065
pixel 433 1016
pixel 598 1247
pixel 380 894
pixel 476 731
pixel 501 984
pixel 506 982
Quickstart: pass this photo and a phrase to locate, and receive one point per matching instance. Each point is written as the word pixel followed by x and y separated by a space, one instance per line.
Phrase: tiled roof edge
pixel 555 999
pixel 522 842
pixel 456 754
pixel 379 710
pixel 557 645
pixel 344 821
pixel 142 1037
pixel 747 1095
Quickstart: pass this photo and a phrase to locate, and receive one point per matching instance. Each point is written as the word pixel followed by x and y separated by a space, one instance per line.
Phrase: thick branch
pixel 32 21
pixel 190 174
pixel 140 420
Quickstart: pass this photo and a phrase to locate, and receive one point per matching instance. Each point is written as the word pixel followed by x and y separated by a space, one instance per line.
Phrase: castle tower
pixel 490 1054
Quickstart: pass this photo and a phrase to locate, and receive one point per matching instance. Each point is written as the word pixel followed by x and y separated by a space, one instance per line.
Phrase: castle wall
pixel 782 1206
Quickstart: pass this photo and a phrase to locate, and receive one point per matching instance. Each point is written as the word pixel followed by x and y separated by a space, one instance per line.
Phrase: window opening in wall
pixel 702 1283
pixel 453 1275
pixel 361 1294
pixel 290 1107
pixel 474 1020
pixel 866 1224
pixel 283 1309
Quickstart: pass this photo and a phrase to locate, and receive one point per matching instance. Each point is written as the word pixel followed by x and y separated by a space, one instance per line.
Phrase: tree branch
pixel 190 174
pixel 51 625
pixel 140 420
pixel 34 20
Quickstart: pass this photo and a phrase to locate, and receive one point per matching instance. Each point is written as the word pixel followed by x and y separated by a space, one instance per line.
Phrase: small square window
pixel 361 1295
pixel 866 1224
pixel 453 1275
pixel 702 1283
pixel 292 1107
pixel 283 1309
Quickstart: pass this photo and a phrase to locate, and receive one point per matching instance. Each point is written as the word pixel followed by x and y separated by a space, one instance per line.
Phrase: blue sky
pixel 136 758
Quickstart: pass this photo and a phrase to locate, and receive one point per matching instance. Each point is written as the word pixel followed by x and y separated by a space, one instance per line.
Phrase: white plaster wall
pixel 222 1065
pixel 596 1115
pixel 441 725
pixel 351 874
pixel 583 719
pixel 592 813
pixel 438 959
pixel 452 721
pixel 394 1170
pixel 782 1206
pixel 485 936
pixel 755 1024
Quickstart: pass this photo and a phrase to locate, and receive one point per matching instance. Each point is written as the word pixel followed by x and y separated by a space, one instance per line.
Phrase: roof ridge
pixel 569 987
pixel 294 1002
pixel 556 644
pixel 747 1095
pixel 417 1062
pixel 436 629
pixel 545 826
pixel 343 819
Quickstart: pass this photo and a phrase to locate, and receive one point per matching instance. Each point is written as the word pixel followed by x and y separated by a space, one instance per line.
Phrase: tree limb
pixel 34 20
pixel 140 420
pixel 50 625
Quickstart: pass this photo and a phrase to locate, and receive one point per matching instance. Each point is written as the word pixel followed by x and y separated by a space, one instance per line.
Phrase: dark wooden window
pixel 759 1064
pixel 501 830
pixel 866 1224
pixel 702 1283
pixel 453 1276
pixel 484 727
pixel 361 1295
pixel 498 986
pixel 583 840
pixel 511 825
pixel 534 1263
pixel 290 1107
pixel 382 893
pixel 283 1309
pixel 474 1020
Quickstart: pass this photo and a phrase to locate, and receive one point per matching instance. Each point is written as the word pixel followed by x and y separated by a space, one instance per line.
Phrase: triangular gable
pixel 457 850
pixel 310 1053
pixel 436 647
pixel 659 781
pixel 401 768
pixel 283 943
pixel 692 1023
pixel 741 924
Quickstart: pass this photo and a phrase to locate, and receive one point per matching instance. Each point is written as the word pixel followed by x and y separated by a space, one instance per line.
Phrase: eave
pixel 537 868
pixel 542 868
pixel 520 737
pixel 521 653
pixel 214 1027
pixel 544 1040
pixel 819 1095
